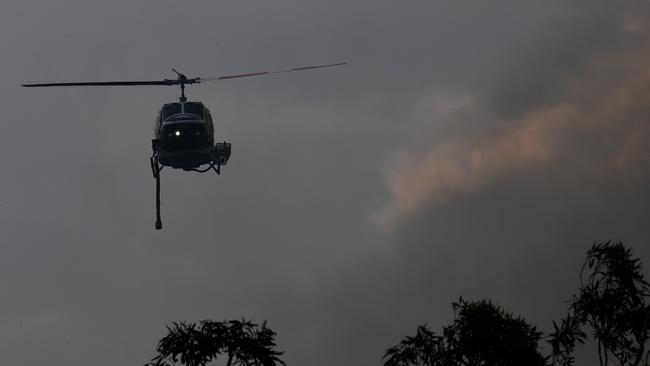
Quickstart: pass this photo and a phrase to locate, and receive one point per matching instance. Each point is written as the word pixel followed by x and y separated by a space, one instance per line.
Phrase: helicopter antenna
pixel 182 79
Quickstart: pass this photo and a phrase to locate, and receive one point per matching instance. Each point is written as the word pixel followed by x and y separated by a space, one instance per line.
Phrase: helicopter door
pixel 208 120
pixel 157 124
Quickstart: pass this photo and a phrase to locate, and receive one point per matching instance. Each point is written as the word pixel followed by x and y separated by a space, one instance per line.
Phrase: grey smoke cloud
pixel 599 120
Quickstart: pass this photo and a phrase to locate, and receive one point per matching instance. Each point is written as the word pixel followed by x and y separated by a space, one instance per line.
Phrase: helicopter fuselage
pixel 184 135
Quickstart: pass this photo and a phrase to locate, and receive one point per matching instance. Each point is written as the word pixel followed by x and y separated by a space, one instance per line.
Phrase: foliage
pixel 243 343
pixel 482 334
pixel 612 301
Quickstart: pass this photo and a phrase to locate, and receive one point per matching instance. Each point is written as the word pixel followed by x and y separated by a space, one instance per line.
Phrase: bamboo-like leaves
pixel 613 301
pixel 482 334
pixel 241 342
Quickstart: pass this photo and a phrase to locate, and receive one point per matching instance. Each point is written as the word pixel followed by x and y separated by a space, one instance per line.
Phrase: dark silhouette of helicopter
pixel 184 132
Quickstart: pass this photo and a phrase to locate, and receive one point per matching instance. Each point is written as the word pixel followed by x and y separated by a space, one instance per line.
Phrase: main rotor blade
pixel 108 83
pixel 268 72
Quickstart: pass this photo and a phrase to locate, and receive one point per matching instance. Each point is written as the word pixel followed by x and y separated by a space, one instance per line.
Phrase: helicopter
pixel 184 131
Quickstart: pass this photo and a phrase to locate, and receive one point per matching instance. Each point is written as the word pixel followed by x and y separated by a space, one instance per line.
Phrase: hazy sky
pixel 469 148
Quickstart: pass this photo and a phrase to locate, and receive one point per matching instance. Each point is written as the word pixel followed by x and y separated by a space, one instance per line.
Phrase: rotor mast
pixel 182 80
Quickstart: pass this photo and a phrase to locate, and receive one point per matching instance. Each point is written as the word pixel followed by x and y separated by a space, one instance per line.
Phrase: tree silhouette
pixel 241 343
pixel 612 301
pixel 482 334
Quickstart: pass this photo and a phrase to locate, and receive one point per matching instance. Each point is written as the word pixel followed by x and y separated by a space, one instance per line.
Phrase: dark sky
pixel 469 148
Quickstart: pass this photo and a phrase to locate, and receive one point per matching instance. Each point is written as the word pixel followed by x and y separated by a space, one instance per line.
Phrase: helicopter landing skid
pixel 210 166
pixel 220 155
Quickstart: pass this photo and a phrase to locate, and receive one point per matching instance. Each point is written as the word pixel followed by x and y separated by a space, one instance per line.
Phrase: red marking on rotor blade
pixel 243 75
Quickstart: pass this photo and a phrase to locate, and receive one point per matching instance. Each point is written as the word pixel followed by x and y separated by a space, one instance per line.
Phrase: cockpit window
pixel 183 117
pixel 194 108
pixel 170 110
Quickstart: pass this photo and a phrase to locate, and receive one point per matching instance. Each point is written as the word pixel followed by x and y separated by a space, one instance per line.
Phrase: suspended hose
pixel 155 169
pixel 158 221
